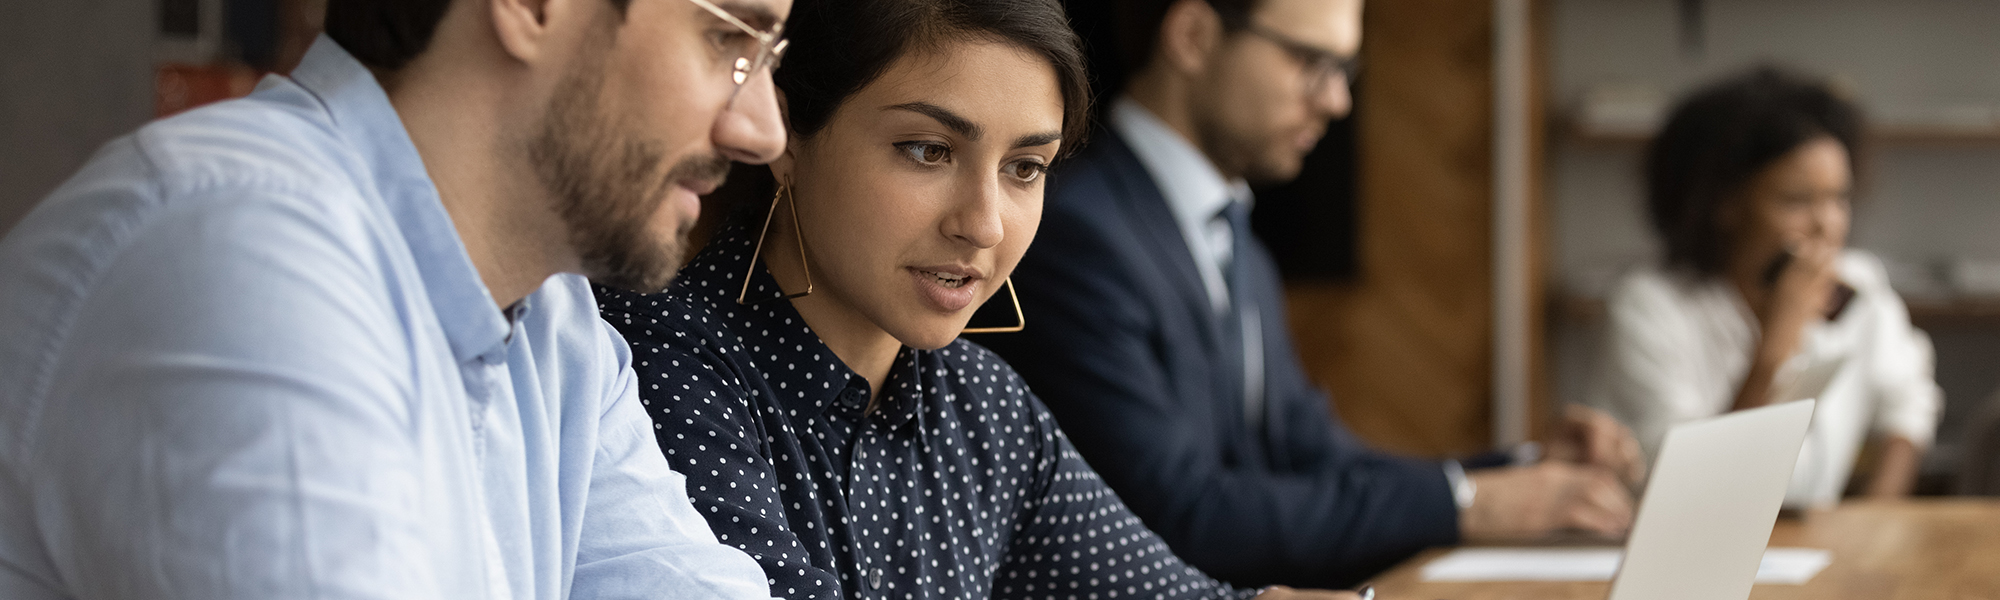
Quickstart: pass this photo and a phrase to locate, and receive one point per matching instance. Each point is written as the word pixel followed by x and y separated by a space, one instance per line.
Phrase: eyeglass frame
pixel 1320 65
pixel 771 46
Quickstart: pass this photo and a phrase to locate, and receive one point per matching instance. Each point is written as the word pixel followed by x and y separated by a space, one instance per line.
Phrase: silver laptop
pixel 1710 506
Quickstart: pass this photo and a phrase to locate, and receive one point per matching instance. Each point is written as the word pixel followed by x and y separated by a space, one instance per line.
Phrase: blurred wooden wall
pixel 1406 350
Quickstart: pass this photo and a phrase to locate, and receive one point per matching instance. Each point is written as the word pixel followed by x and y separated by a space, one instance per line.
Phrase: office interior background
pixel 1447 254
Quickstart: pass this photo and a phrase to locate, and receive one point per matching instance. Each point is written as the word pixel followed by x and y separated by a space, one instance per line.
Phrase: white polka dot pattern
pixel 959 485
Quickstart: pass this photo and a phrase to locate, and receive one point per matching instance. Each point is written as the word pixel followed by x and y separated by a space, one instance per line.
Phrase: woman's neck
pixel 854 338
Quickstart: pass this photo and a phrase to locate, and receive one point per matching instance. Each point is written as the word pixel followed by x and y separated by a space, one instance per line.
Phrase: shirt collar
pixel 1195 190
pixel 362 115
pixel 799 369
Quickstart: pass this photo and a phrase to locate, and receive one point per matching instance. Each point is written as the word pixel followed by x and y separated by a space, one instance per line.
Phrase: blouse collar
pixel 797 367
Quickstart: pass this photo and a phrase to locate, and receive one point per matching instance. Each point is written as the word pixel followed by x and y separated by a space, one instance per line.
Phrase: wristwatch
pixel 1463 490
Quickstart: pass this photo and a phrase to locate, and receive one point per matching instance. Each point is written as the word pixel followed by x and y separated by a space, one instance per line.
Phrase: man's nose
pixel 1334 98
pixel 750 130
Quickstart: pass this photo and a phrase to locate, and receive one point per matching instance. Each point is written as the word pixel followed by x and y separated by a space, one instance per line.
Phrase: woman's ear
pixel 781 168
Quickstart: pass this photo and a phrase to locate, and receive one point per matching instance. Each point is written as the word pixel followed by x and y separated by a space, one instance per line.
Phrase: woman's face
pixel 925 187
pixel 1801 199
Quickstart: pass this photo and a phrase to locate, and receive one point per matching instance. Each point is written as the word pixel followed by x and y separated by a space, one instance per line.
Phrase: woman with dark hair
pixel 806 372
pixel 1759 301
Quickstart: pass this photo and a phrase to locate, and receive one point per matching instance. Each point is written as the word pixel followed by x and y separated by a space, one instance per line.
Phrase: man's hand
pixel 1279 592
pixel 1523 503
pixel 1591 438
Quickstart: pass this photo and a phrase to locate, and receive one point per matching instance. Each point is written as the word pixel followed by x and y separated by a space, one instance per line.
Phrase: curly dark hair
pixel 1720 138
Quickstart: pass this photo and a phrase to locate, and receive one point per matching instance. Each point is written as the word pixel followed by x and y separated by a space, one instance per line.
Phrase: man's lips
pixel 700 187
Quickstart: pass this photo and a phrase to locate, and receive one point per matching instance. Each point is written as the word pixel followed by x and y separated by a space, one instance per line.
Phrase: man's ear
pixel 525 27
pixel 1191 31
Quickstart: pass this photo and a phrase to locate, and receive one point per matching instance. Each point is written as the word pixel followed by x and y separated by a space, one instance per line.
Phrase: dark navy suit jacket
pixel 1123 347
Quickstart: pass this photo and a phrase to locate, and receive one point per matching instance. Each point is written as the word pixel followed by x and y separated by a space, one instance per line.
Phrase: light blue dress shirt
pixel 243 355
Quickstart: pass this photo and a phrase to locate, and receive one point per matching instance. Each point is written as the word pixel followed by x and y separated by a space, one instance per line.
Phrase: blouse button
pixel 875 579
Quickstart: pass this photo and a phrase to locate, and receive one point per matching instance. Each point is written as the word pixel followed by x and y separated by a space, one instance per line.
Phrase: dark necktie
pixel 1241 320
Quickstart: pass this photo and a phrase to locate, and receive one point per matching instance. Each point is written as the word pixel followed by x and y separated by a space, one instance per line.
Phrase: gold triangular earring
pixel 1020 321
pixel 784 194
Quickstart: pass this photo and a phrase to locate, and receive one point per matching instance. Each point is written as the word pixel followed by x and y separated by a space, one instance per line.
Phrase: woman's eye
pixel 1027 171
pixel 928 153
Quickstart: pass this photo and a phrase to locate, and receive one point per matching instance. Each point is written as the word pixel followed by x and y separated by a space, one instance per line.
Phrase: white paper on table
pixel 1783 566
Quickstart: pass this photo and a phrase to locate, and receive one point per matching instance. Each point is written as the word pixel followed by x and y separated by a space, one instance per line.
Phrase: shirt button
pixel 875 579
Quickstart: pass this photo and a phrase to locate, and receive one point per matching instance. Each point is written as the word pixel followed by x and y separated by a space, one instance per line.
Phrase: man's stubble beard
pixel 1244 155
pixel 607 184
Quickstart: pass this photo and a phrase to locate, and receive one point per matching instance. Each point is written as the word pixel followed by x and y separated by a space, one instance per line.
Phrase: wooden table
pixel 1947 549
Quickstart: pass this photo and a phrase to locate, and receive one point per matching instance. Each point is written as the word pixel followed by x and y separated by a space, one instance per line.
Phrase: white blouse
pixel 1678 348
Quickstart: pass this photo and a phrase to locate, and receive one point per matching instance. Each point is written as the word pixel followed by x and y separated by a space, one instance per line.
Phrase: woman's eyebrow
pixel 1037 139
pixel 944 116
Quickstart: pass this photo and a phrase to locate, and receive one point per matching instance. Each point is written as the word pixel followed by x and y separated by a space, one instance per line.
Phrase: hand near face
pixel 1798 299
pixel 1525 503
pixel 1592 438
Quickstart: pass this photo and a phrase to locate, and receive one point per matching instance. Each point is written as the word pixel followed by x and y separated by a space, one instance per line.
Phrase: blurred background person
pixel 1160 335
pixel 1759 299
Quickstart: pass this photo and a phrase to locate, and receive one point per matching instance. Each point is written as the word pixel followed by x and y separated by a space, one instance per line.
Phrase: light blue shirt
pixel 243 355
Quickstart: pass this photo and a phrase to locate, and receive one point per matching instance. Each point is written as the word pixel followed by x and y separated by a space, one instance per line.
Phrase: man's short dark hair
pixel 388 34
pixel 1719 139
pixel 1139 24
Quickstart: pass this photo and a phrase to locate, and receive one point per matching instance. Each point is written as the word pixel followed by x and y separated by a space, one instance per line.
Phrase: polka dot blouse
pixel 959 485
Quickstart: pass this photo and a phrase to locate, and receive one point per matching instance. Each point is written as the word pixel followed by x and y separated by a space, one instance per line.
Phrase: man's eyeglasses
pixel 768 50
pixel 1320 65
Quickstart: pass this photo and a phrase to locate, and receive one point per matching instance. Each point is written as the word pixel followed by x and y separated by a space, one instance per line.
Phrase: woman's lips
pixel 948 290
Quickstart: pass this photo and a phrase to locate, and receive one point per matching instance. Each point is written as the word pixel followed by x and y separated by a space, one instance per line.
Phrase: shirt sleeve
pixel 709 431
pixel 231 421
pixel 1078 539
pixel 1907 397
pixel 642 537
pixel 1649 379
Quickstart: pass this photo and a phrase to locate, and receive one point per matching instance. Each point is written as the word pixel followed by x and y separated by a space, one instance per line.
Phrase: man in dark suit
pixel 1157 329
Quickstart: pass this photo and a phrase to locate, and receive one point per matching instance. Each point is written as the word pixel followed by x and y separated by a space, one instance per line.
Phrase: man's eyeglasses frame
pixel 1320 65
pixel 771 46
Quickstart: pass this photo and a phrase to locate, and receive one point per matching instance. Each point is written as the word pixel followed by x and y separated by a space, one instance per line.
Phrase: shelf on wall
pixel 1886 133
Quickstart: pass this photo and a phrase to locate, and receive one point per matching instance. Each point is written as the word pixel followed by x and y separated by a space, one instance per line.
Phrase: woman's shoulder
pixel 1863 270
pixel 982 382
pixel 1876 298
pixel 969 363
pixel 1658 289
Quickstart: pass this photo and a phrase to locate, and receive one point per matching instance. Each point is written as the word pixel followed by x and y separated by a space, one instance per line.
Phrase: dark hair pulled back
pixel 840 46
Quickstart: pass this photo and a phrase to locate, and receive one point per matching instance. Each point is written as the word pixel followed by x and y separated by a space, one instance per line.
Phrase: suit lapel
pixel 1147 207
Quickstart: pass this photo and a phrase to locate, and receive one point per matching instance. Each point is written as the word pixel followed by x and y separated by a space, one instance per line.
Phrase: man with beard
pixel 1157 328
pixel 334 340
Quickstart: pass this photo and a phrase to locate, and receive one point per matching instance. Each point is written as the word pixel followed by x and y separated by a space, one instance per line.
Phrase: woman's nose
pixel 977 219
